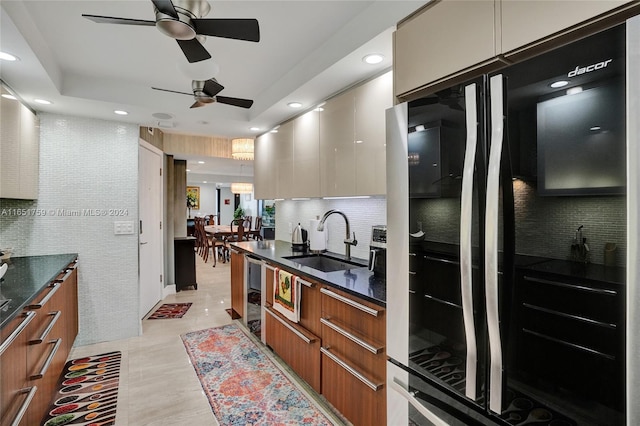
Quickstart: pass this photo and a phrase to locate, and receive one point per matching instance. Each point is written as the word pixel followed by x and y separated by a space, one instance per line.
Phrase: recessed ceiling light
pixel 560 83
pixel 188 170
pixel 8 57
pixel 274 131
pixel 595 128
pixel 294 104
pixel 373 58
pixel 255 129
pixel 120 112
pixel 8 96
pixel 204 181
pixel 200 162
pixel 319 109
pixel 162 116
pixel 43 101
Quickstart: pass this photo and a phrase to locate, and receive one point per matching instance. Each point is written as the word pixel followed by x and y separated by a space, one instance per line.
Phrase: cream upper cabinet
pixel 526 21
pixel 306 155
pixel 263 167
pixel 441 40
pixel 337 152
pixel 371 101
pixel 283 161
pixel 19 151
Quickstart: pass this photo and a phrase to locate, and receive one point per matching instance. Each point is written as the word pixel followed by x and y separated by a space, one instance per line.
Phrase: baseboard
pixel 167 290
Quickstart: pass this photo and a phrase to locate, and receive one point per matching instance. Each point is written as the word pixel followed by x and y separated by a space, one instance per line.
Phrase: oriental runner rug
pixel 243 385
pixel 88 392
pixel 170 310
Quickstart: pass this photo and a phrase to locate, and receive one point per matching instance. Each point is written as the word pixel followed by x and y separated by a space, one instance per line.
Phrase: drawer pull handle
pixel 29 316
pixel 67 274
pixel 47 363
pixel 291 328
pixel 307 283
pixel 602 291
pixel 373 349
pixel 400 387
pixel 55 286
pixel 412 273
pixel 571 316
pixel 47 330
pixel 350 302
pixel 437 259
pixel 31 392
pixel 375 387
pixel 571 345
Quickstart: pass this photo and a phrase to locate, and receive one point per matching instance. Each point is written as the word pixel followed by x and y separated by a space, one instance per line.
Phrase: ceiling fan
pixel 182 20
pixel 205 92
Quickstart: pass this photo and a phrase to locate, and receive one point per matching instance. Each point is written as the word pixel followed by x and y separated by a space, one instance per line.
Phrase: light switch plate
pixel 123 228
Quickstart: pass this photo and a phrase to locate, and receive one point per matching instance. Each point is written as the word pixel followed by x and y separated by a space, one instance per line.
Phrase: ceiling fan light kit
pixel 183 20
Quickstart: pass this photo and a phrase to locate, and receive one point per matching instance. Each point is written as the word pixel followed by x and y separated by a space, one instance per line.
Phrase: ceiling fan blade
pixel 212 87
pixel 197 104
pixel 114 20
pixel 239 29
pixel 242 103
pixel 166 7
pixel 172 91
pixel 193 50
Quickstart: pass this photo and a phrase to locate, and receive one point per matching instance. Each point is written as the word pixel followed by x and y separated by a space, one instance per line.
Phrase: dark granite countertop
pixel 524 262
pixel 26 277
pixel 358 281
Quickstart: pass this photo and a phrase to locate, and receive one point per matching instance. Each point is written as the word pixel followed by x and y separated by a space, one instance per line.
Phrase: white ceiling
pixel 309 50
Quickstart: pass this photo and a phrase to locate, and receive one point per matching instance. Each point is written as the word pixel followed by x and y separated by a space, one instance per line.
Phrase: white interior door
pixel 150 231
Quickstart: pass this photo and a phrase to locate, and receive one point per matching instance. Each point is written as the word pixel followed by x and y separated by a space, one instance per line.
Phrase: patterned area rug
pixel 88 392
pixel 170 310
pixel 244 387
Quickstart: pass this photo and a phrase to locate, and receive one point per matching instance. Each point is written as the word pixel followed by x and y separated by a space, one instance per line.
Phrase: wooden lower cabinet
pixel 237 284
pixel 354 357
pixel 299 348
pixel 30 368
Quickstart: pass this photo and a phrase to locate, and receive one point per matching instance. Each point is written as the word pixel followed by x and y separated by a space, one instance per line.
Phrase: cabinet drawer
pixel 297 347
pixel 360 316
pixel 342 383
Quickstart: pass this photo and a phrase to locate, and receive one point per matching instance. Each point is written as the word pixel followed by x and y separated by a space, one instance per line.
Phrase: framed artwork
pixel 193 197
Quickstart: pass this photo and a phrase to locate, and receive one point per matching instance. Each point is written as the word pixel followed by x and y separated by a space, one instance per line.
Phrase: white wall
pixel 362 214
pixel 226 210
pixel 86 164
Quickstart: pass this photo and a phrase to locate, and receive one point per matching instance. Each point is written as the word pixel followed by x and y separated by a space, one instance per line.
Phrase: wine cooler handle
pixel 491 243
pixel 466 222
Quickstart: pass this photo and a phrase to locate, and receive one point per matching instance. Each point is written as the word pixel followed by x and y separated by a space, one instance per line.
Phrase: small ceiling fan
pixel 182 20
pixel 205 92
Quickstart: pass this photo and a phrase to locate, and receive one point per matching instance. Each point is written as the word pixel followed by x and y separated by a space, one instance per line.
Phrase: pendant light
pixel 242 187
pixel 242 149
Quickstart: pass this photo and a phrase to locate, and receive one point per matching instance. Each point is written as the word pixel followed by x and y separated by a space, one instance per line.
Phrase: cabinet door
pixel 441 40
pixel 237 284
pixel 526 21
pixel 264 167
pixel 10 113
pixel 306 155
pixel 283 159
pixel 13 369
pixel 371 101
pixel 337 152
pixel 29 154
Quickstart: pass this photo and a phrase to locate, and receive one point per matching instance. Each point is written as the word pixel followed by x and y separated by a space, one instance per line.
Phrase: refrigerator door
pixel 445 164
pixel 555 312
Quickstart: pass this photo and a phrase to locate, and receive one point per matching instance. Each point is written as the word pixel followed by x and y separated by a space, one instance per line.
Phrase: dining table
pixel 223 231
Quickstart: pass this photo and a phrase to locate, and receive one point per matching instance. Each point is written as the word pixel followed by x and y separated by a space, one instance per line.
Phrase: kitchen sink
pixel 324 263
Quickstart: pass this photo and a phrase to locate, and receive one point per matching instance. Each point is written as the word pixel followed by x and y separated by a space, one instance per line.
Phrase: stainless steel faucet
pixel 348 242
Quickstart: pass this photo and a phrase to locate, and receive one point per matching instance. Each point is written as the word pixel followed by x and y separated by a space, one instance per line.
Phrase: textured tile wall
pixel 545 226
pixel 86 164
pixel 362 214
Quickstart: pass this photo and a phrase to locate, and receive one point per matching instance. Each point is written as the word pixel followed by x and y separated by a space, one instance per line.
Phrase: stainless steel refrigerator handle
pixel 466 221
pixel 491 244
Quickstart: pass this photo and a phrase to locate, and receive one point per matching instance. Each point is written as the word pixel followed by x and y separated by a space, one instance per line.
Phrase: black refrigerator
pixel 508 221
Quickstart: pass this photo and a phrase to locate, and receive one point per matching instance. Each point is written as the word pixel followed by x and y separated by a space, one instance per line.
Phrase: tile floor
pixel 158 385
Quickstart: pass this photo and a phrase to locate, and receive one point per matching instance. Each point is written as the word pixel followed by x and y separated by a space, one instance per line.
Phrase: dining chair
pixel 256 235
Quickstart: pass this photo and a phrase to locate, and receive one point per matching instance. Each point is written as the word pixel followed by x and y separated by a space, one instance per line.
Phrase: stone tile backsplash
pixel 362 213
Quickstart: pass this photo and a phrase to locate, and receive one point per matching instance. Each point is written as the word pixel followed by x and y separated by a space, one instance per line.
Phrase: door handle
pixel 143 243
